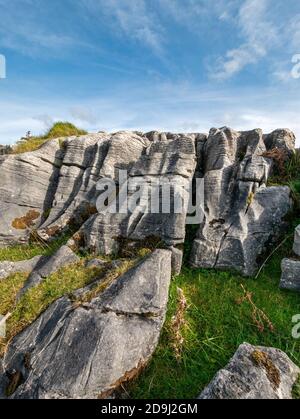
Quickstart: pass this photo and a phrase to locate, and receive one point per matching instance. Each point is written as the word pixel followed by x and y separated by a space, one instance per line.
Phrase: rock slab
pixel 86 351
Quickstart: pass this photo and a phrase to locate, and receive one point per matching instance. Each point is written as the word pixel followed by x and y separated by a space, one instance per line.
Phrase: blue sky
pixel 178 65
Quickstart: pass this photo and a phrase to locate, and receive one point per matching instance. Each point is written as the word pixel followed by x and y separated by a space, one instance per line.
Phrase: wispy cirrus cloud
pixel 259 35
pixel 132 19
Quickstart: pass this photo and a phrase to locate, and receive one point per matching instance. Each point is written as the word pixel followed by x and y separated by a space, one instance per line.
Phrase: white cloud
pixel 134 19
pixel 169 107
pixel 259 34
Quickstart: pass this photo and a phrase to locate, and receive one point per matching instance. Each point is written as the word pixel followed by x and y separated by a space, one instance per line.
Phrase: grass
pixel 218 319
pixel 24 252
pixel 59 129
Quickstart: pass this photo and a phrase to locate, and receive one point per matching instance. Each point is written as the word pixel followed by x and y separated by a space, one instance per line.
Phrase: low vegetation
pixel 59 129
pixel 61 283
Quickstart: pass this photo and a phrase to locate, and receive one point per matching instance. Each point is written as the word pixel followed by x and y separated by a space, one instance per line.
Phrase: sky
pixel 169 65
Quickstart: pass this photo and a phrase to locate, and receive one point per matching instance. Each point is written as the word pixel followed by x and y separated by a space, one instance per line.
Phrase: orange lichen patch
pixel 27 221
pixel 127 377
pixel 263 360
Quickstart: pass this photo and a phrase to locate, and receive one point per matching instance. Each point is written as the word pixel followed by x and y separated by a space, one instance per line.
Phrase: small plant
pixel 280 158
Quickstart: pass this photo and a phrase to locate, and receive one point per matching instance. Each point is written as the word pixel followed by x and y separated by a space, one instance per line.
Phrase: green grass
pixel 216 324
pixel 59 129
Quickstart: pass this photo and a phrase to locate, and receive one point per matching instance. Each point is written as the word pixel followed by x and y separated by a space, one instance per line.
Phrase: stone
pixel 53 189
pixel 296 247
pixel 28 183
pixel 254 373
pixel 48 265
pixel 86 351
pixel 290 277
pixel 96 263
pixel 24 266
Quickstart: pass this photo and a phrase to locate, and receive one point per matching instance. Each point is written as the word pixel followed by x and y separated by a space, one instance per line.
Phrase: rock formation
pixel 254 373
pixel 86 345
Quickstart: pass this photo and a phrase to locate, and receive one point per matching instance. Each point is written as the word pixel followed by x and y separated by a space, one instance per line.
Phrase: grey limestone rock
pixel 242 215
pixel 24 266
pixel 290 277
pixel 48 265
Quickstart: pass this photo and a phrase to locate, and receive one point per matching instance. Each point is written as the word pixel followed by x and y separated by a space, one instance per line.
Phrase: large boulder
pixel 54 189
pixel 165 162
pixel 242 214
pixel 254 373
pixel 88 349
pixel 290 277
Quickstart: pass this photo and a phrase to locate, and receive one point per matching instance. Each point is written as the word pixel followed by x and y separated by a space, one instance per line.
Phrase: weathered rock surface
pixel 54 188
pixel 27 185
pixel 254 373
pixel 24 266
pixel 283 139
pixel 296 247
pixel 86 351
pixel 242 215
pixel 290 277
pixel 47 265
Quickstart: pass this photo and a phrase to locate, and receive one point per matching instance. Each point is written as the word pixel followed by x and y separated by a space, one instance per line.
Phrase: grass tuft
pixel 59 129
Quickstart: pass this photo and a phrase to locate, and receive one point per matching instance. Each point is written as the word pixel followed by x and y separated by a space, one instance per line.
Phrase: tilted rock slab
pixel 254 373
pixel 27 185
pixel 290 277
pixel 86 351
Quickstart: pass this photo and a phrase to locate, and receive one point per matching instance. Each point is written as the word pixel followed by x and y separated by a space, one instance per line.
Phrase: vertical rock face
pixel 166 161
pixel 241 214
pixel 254 373
pixel 88 350
pixel 27 186
pixel 55 187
